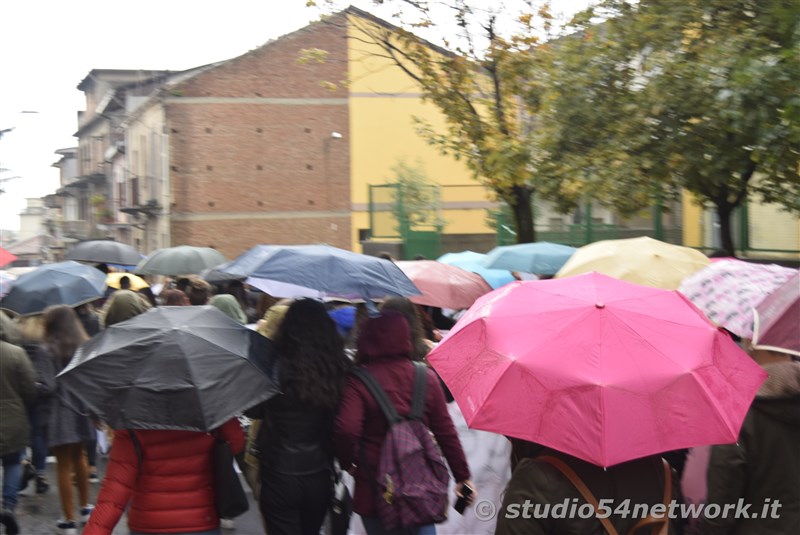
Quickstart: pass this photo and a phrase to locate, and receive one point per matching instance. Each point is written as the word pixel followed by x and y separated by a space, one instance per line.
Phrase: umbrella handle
pixel 372 309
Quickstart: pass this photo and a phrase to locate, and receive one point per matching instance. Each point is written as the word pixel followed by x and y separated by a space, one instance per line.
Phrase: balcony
pixel 75 229
pixel 149 209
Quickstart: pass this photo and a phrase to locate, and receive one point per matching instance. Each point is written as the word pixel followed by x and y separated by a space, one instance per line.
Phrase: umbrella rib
pixel 196 390
pixel 704 387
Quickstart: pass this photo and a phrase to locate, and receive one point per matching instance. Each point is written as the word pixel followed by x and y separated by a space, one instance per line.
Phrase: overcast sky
pixel 49 46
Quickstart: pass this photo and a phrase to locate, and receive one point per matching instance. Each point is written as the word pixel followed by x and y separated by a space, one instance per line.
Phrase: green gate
pixel 410 213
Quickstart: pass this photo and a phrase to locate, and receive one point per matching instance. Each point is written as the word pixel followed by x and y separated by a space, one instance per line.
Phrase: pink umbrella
pixel 443 285
pixel 6 257
pixel 598 368
pixel 728 290
pixel 777 319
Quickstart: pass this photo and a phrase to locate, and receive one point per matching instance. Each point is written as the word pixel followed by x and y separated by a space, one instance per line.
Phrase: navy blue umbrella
pixel 65 283
pixel 190 368
pixel 331 271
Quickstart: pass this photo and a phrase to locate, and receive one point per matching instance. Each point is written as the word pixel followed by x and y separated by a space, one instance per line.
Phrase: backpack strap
pixel 660 525
pixel 378 394
pixel 570 474
pixel 417 411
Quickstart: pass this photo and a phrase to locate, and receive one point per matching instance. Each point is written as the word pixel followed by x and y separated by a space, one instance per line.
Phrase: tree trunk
pixel 724 212
pixel 523 213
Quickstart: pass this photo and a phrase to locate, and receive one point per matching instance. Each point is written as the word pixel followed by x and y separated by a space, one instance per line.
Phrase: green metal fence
pixel 411 214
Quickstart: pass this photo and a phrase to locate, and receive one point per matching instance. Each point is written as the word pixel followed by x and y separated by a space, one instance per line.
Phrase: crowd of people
pixel 325 424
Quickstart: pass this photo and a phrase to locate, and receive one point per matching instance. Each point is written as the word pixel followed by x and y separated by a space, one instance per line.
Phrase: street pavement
pixel 37 513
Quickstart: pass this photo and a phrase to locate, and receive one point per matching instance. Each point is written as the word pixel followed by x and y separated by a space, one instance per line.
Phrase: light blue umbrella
pixel 495 277
pixel 541 258
pixel 471 261
pixel 464 257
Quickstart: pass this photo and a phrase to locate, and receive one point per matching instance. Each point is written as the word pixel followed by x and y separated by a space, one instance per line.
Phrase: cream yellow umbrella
pixel 137 283
pixel 642 260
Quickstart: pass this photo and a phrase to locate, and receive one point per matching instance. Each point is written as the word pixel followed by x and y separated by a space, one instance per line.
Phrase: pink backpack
pixel 411 480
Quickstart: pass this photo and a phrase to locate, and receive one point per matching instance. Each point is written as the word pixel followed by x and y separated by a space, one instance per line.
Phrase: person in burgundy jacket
pixel 384 349
pixel 171 491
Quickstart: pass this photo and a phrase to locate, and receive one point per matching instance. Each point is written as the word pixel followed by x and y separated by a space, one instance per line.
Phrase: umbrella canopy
pixel 21 270
pixel 215 276
pixel 464 257
pixel 640 260
pixel 137 283
pixel 777 319
pixel 6 257
pixel 542 258
pixel 728 290
pixel 598 368
pixel 471 261
pixel 104 251
pixel 180 260
pixel 442 285
pixel 190 368
pixel 6 282
pixel 65 283
pixel 333 272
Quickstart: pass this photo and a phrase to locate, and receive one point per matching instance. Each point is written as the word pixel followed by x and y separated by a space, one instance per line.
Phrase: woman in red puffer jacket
pixel 171 490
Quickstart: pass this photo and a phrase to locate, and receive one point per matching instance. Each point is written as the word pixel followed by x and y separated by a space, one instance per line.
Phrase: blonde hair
pixel 31 328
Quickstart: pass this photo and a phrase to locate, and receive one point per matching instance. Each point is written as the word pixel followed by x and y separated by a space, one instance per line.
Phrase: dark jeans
pixel 295 505
pixel 91 452
pixel 374 526
pixel 12 471
pixel 38 441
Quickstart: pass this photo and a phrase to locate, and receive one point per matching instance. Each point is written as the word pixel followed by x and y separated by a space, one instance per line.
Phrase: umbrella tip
pixel 600 305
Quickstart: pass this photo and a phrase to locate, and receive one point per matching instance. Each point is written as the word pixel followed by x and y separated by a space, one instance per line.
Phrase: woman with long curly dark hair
pixel 295 440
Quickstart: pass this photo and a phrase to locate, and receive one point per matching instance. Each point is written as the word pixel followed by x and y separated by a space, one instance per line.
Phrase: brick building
pixel 255 152
pixel 264 148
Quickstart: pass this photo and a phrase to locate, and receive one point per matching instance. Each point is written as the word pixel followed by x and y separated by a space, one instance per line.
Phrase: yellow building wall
pixel 383 102
pixel 692 221
pixel 773 228
pixel 772 232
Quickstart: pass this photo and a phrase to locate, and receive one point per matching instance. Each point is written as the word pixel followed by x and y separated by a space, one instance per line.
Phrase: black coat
pixel 294 439
pixel 765 462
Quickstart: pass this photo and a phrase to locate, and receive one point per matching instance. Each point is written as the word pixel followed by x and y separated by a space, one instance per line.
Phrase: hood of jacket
pixel 123 305
pixel 9 332
pixel 383 337
pixel 779 395
pixel 230 306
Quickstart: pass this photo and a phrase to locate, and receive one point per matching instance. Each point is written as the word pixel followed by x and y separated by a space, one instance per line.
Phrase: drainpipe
pixel 166 193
